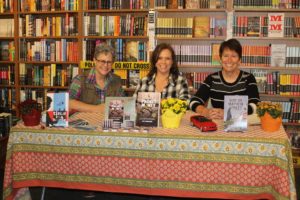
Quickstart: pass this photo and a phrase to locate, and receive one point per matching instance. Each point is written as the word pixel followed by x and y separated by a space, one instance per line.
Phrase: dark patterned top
pixel 175 89
pixel 215 88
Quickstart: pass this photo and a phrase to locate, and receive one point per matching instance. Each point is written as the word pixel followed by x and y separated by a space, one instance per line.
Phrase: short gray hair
pixel 104 49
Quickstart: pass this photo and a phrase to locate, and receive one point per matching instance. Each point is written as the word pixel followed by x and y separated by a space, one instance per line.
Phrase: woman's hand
pixel 211 113
pixel 215 113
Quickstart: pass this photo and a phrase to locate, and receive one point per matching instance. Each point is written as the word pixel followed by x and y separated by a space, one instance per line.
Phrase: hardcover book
pixel 148 109
pixel 121 110
pixel 192 4
pixel 220 27
pixel 57 114
pixel 201 26
pixel 132 51
pixel 253 27
pixel 235 112
pixel 215 57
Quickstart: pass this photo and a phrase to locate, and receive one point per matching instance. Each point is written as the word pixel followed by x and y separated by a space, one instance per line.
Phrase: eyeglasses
pixel 103 62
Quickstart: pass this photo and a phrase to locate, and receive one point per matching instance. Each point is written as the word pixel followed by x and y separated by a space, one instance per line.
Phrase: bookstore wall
pixel 43 42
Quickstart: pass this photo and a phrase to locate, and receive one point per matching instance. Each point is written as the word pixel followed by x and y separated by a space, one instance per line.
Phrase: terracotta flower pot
pixel 270 124
pixel 32 119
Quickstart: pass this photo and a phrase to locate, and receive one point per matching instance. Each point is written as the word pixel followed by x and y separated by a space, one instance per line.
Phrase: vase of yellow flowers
pixel 172 110
pixel 270 115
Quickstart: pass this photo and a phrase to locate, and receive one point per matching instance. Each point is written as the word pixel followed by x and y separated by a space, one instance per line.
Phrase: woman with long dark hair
pixel 164 76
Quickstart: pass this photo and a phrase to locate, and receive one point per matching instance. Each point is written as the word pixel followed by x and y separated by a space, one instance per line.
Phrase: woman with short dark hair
pixel 229 81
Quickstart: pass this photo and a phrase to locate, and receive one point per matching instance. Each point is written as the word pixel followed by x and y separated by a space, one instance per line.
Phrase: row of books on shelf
pixel 281 4
pixel 271 25
pixel 276 83
pixel 47 75
pixel 8 98
pixel 274 55
pixel 125 50
pixel 291 111
pixel 189 4
pixel 268 83
pixel 204 55
pixel 124 25
pixel 45 26
pixel 115 4
pixel 7 27
pixel 7 75
pixel 65 50
pixel 48 5
pixel 6 6
pixel 188 27
pixel 7 50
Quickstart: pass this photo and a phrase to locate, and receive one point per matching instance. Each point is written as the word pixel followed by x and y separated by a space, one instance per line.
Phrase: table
pixel 173 162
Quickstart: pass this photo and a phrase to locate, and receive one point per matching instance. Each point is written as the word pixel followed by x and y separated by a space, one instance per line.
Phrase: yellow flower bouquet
pixel 172 110
pixel 273 109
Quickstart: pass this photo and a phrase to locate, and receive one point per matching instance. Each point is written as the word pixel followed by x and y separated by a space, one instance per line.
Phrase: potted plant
pixel 270 115
pixel 31 112
pixel 172 110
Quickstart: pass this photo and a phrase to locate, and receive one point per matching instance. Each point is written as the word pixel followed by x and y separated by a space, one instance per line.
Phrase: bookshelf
pixel 124 26
pixel 52 35
pixel 8 49
pixel 263 48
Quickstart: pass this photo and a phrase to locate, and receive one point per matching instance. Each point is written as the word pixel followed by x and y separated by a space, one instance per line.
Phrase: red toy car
pixel 203 123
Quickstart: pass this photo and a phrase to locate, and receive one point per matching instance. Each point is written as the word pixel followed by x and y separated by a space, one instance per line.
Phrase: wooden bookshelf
pixel 80 36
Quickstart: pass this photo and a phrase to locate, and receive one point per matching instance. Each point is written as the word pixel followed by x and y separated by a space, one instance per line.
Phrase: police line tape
pixel 86 64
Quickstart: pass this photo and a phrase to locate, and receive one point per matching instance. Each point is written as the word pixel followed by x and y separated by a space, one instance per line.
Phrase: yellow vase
pixel 270 124
pixel 170 119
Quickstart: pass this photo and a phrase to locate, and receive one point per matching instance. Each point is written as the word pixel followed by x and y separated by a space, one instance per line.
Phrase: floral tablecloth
pixel 180 162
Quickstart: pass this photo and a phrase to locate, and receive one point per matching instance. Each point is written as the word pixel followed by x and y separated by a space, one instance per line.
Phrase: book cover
pixel 191 4
pixel 121 110
pixel 57 114
pixel 131 51
pixel 220 27
pixel 276 25
pixel 261 79
pixel 215 57
pixel 235 112
pixel 278 53
pixel 253 27
pixel 201 26
pixel 148 109
pixel 134 78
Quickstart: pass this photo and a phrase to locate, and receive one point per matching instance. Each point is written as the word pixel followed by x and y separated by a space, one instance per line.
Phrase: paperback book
pixel 120 111
pixel 276 25
pixel 278 55
pixel 148 109
pixel 57 114
pixel 235 113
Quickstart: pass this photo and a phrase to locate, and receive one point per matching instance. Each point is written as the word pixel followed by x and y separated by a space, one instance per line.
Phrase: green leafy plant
pixel 176 105
pixel 30 106
pixel 274 109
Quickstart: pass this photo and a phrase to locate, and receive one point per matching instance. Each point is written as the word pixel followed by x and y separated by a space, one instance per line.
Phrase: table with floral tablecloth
pixel 181 162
